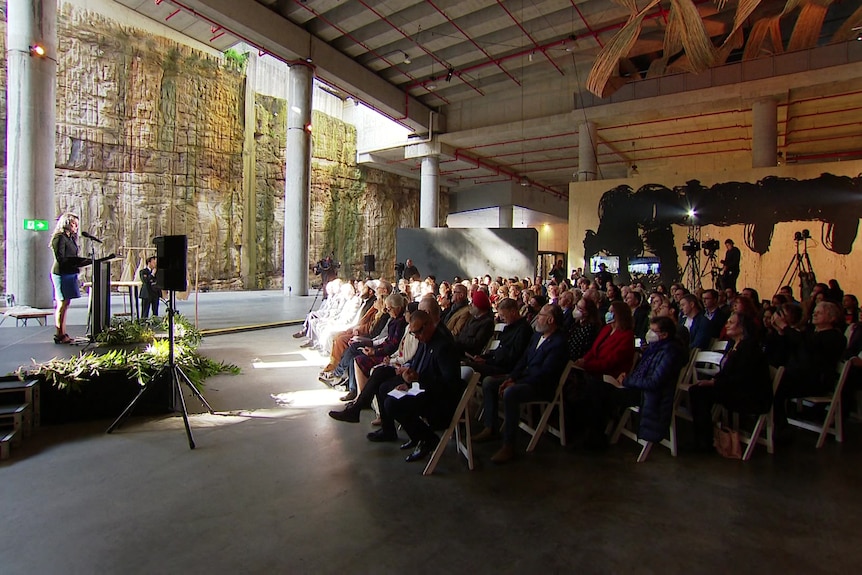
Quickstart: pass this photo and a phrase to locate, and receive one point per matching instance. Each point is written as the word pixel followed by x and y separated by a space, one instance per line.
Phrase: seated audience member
pixel 811 356
pixel 651 385
pixel 667 308
pixel 330 305
pixel 513 343
pixel 435 369
pixel 459 311
pixel 752 294
pixel 780 299
pixel 372 324
pixel 834 293
pixel 613 351
pixel 775 345
pixel 695 321
pixel 372 354
pixel 613 293
pixel 851 309
pixel 716 317
pixel 744 305
pixel 479 329
pixel 742 385
pixel 567 304
pixel 535 377
pixel 678 291
pixel 369 383
pixel 640 313
pixel 584 329
pixel 787 291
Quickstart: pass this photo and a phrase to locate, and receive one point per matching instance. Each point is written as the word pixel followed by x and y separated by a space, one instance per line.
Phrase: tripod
pixel 175 372
pixel 710 267
pixel 800 265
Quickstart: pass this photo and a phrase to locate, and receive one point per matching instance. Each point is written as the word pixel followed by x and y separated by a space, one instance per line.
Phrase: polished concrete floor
pixel 279 487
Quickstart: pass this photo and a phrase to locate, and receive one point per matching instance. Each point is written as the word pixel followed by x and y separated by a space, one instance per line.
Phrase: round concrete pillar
pixel 31 80
pixel 587 162
pixel 506 216
pixel 429 193
pixel 297 181
pixel 764 144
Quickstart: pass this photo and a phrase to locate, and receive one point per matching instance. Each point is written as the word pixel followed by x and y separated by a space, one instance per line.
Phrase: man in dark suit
pixel 696 323
pixel 149 291
pixel 730 265
pixel 435 368
pixel 514 340
pixel 535 377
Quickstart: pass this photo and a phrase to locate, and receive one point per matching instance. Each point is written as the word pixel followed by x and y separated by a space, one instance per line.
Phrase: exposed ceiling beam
pixel 261 27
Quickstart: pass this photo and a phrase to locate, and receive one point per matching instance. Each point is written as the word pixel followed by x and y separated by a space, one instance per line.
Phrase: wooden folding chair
pixel 463 443
pixel 764 420
pixel 646 446
pixel 548 408
pixel 834 422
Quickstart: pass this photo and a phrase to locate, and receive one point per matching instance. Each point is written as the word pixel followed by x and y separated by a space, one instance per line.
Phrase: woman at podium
pixel 64 274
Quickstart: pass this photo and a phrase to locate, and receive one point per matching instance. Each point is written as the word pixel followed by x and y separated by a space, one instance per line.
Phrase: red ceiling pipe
pixel 469 39
pixel 527 34
pixel 854 154
pixel 586 25
pixel 513 176
pixel 421 47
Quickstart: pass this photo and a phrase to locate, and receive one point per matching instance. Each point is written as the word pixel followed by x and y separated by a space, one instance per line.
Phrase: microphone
pixel 90 236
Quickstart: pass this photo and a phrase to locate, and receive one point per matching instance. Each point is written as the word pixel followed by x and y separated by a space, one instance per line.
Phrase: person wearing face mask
pixel 613 351
pixel 479 329
pixel 584 329
pixel 534 378
pixel 651 385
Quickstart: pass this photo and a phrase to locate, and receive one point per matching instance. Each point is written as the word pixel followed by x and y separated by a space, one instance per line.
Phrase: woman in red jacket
pixel 613 351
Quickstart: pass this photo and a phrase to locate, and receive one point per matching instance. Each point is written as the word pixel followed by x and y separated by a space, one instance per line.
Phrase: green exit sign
pixel 36 225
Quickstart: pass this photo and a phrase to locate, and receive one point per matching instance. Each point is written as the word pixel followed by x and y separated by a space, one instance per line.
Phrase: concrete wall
pixel 761 271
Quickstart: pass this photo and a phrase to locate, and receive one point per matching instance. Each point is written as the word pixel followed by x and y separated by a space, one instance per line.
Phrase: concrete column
pixel 429 193
pixel 587 163
pixel 248 260
pixel 30 127
pixel 297 181
pixel 764 141
pixel 506 216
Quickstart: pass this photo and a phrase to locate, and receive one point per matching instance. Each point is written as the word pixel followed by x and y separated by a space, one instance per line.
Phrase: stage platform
pixel 215 311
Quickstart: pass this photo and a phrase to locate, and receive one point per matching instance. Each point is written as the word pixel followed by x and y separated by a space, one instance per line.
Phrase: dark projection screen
pixel 465 252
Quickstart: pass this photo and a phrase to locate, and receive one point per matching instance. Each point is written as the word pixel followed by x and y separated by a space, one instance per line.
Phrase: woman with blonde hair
pixel 64 274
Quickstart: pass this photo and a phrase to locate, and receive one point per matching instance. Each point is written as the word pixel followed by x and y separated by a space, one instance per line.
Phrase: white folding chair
pixel 494 342
pixel 718 345
pixel 834 422
pixel 646 446
pixel 548 408
pixel 764 420
pixel 704 364
pixel 463 442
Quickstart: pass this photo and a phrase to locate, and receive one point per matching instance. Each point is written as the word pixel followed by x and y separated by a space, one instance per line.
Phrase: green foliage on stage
pixel 145 351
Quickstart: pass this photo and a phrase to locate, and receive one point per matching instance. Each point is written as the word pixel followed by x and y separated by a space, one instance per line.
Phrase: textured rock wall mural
pixel 150 142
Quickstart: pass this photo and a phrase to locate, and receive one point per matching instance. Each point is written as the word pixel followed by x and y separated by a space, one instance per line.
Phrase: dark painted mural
pixel 635 223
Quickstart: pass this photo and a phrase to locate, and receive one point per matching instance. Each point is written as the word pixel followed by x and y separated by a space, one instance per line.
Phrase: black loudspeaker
pixel 171 253
pixel 369 263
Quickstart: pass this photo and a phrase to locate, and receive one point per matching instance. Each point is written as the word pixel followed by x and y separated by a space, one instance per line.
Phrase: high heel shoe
pixel 62 338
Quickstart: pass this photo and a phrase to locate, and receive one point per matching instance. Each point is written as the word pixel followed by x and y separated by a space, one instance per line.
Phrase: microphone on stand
pixel 90 236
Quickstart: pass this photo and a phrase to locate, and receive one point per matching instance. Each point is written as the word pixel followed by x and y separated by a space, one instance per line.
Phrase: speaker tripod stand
pixel 177 376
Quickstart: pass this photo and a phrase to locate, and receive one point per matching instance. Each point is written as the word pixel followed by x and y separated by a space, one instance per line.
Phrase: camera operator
pixel 730 265
pixel 411 272
pixel 327 269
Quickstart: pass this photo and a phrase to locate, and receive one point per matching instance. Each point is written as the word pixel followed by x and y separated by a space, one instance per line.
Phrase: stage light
pixel 449 74
pixel 37 50
pixel 692 213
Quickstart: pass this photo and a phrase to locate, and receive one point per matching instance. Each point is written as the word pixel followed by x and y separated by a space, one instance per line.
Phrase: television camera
pixel 691 246
pixel 711 247
pixel 326 265
pixel 801 236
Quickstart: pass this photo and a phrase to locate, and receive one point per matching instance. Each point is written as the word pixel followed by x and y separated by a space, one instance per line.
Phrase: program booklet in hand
pixel 414 390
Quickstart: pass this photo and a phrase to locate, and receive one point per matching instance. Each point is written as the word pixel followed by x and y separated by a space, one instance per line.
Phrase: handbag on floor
pixel 727 442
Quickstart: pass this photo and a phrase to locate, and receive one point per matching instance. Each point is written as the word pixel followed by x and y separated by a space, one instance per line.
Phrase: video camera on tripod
pixel 801 236
pixel 711 247
pixel 691 246
pixel 326 265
